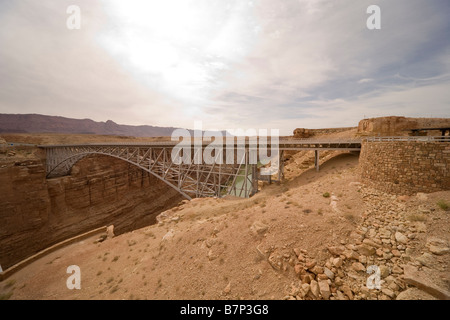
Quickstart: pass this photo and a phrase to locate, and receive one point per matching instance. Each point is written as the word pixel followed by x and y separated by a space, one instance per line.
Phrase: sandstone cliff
pixel 308 133
pixel 399 126
pixel 36 213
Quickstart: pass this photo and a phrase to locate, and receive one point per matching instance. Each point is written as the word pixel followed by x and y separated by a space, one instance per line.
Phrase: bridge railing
pixel 205 143
pixel 409 138
pixel 319 141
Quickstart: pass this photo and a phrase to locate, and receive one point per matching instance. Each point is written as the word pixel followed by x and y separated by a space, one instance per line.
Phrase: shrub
pixel 349 216
pixel 5 296
pixel 417 217
pixel 326 195
pixel 443 205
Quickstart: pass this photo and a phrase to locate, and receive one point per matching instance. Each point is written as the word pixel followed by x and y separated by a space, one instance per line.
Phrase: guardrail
pixel 319 141
pixel 409 138
pixel 206 142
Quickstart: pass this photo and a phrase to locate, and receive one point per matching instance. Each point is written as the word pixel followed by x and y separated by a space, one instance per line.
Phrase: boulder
pixel 414 294
pixel 328 273
pixel 420 280
pixel 301 133
pixel 310 263
pixel 258 228
pixel 336 251
pixel 437 246
pixel 365 250
pixel 324 289
pixel 384 271
pixel 314 287
pixel 337 262
pixel 348 292
pixel 357 266
pixel 401 238
pixel 388 292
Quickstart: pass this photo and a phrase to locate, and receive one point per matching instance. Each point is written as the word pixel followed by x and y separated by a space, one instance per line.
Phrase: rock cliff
pixel 399 126
pixel 36 213
pixel 308 133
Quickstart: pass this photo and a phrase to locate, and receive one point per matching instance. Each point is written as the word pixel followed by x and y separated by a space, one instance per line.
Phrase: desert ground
pixel 312 236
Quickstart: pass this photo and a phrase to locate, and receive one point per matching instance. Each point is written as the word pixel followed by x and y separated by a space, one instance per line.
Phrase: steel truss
pixel 194 178
pixel 191 180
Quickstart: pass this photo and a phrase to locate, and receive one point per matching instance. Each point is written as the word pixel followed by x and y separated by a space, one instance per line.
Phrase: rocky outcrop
pixel 301 133
pixel 101 191
pixel 399 126
pixel 379 261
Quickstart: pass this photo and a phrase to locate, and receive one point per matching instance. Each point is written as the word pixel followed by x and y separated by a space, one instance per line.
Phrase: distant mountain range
pixel 37 123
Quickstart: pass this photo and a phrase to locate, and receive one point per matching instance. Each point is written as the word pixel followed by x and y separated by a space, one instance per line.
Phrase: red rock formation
pixel 302 133
pixel 308 133
pixel 399 126
pixel 36 213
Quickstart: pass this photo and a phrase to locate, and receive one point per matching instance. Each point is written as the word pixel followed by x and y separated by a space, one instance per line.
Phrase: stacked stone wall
pixel 406 167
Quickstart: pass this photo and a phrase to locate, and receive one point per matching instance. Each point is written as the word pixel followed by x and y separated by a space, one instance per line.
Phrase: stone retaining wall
pixel 406 167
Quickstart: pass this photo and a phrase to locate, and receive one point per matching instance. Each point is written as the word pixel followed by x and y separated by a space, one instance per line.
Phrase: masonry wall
pixel 406 167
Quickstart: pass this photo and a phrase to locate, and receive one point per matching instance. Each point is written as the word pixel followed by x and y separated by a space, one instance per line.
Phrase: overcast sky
pixel 232 64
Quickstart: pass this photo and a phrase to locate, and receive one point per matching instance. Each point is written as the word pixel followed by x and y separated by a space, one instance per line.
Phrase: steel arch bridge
pixel 190 180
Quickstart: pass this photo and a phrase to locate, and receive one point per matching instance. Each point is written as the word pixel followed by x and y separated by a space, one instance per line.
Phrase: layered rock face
pixel 308 133
pixel 399 126
pixel 302 133
pixel 36 212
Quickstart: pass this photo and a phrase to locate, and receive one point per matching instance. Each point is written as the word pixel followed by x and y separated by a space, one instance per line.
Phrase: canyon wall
pixel 399 126
pixel 406 167
pixel 36 213
pixel 308 133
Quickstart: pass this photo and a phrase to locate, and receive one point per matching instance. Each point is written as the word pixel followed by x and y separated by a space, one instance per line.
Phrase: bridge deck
pixel 292 144
pixel 204 177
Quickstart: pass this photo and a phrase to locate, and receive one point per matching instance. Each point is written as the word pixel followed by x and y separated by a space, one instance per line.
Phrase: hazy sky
pixel 231 64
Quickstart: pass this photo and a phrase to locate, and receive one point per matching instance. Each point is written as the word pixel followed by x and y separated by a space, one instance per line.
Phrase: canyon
pixel 38 212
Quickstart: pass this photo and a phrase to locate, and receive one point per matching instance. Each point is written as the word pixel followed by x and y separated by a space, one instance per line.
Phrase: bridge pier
pixel 316 159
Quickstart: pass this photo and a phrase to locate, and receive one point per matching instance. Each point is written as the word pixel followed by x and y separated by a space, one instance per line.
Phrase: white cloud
pixel 269 64
pixel 365 80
